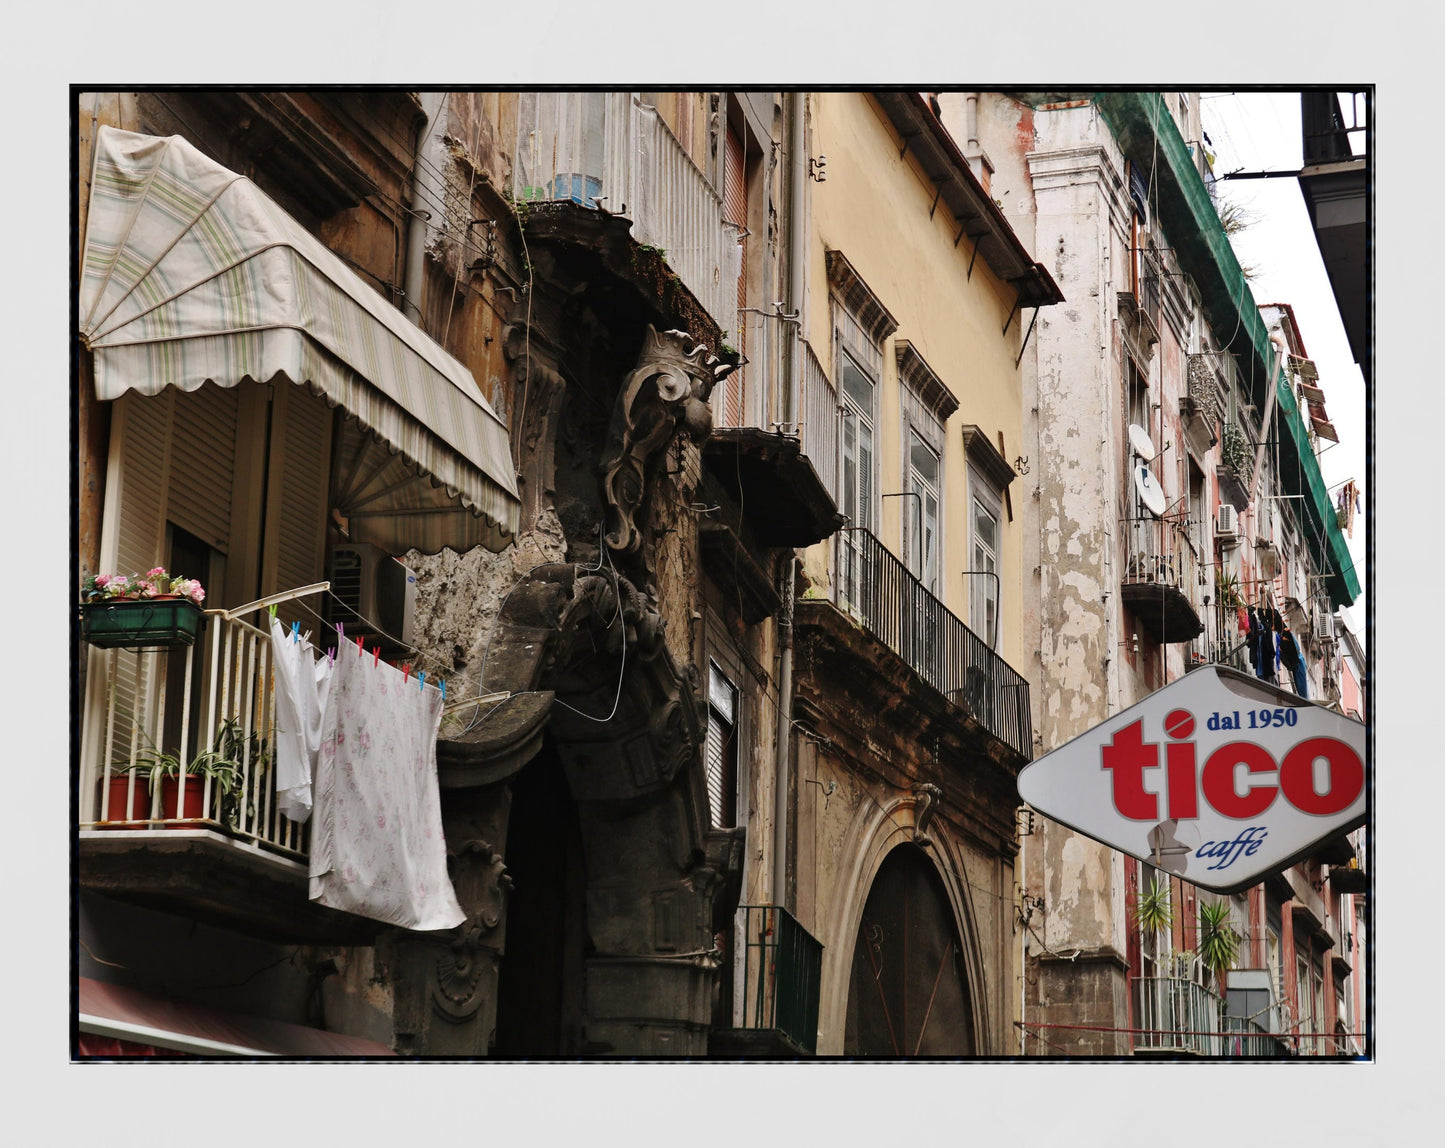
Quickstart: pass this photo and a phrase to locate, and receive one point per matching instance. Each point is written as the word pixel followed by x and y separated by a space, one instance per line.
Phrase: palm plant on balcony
pixel 1151 909
pixel 1218 940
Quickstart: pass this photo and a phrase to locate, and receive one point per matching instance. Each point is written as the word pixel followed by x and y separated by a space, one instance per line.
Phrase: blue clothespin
pixel 295 631
pixel 421 680
pixel 444 689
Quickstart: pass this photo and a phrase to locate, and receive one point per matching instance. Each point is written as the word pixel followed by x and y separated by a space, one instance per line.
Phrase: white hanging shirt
pixel 302 686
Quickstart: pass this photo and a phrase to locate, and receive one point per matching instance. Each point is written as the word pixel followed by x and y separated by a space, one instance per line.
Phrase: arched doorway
pixel 908 992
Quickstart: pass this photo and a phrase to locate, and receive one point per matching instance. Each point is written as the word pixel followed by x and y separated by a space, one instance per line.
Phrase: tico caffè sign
pixel 1218 778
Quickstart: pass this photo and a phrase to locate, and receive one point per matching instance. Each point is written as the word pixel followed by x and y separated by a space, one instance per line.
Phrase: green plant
pixel 1151 909
pixel 1234 451
pixel 1218 940
pixel 1226 590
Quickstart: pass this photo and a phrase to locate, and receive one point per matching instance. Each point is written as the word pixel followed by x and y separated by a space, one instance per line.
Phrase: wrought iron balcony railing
pixel 1176 1015
pixel 781 975
pixel 875 587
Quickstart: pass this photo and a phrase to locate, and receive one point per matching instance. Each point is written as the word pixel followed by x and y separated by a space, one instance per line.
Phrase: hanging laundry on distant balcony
pixel 377 848
pixel 302 686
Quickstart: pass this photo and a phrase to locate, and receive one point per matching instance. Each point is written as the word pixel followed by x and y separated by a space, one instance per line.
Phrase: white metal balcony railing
pixel 139 707
pixel 818 429
pixel 1178 1015
pixel 611 151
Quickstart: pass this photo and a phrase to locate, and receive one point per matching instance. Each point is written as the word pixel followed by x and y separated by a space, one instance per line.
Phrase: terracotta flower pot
pixel 117 815
pixel 195 807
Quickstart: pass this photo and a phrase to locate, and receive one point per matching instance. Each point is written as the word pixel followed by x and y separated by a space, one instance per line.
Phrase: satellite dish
pixel 1151 494
pixel 1141 442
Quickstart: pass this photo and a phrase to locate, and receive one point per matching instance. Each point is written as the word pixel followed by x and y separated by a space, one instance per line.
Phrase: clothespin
pixel 271 611
pixel 358 644
pixel 375 657
pixel 421 681
pixel 340 634
pixel 444 689
pixel 295 631
pixel 331 657
pixel 406 672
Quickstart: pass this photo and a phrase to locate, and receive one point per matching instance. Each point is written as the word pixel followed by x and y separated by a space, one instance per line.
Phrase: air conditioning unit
pixel 1227 525
pixel 372 592
pixel 1324 624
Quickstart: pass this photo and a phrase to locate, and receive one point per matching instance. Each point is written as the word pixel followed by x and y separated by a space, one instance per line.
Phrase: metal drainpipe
pixel 784 737
pixel 425 190
pixel 971 122
pixel 797 255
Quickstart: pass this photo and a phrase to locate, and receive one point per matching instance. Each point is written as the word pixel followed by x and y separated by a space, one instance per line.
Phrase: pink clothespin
pixel 375 657
pixel 331 657
pixel 358 644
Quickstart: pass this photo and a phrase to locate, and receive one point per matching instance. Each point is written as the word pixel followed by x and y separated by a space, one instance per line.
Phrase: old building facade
pixel 1202 521
pixel 607 372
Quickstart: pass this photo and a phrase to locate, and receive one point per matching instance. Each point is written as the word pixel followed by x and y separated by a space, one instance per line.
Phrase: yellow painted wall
pixel 874 207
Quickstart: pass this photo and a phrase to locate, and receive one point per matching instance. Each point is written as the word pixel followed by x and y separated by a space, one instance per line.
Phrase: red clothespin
pixel 358 644
pixel 406 672
pixel 375 657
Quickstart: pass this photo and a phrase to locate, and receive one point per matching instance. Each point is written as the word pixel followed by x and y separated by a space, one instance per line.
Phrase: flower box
pixel 135 623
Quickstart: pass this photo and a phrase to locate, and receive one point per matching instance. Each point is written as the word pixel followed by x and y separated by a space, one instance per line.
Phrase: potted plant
pixel 129 807
pixel 155 609
pixel 1151 910
pixel 1218 941
pixel 164 772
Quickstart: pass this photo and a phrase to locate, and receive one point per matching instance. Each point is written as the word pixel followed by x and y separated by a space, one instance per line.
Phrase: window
pixel 983 603
pixel 721 749
pixel 924 470
pixel 927 404
pixel 989 476
pixel 859 456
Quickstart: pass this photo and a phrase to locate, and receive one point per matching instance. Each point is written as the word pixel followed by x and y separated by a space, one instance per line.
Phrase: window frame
pixel 982 491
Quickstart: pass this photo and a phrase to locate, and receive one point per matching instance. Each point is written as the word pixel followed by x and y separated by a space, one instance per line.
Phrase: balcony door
pixel 859 474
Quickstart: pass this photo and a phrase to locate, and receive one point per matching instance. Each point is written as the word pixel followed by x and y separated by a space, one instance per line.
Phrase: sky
pixel 1260 131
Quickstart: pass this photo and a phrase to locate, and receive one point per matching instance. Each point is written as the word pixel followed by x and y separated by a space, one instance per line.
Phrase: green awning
pixel 1148 135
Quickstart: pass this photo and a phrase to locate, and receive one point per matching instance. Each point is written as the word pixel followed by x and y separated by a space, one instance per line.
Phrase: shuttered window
pixel 297 496
pixel 735 211
pixel 721 748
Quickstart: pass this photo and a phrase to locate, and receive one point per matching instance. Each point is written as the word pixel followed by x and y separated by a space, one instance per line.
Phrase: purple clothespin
pixel 331 657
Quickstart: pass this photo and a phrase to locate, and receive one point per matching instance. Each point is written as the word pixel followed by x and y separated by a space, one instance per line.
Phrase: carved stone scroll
pixel 668 388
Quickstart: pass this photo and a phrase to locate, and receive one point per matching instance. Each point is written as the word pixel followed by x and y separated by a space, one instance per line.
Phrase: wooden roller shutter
pixel 735 211
pixel 202 471
pixel 296 497
pixel 721 749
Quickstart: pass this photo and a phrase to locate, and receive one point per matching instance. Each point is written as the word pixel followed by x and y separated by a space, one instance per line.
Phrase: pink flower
pixel 196 593
pixel 154 571
pixel 102 580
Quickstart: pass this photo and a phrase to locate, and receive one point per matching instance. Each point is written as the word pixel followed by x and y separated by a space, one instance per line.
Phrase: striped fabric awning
pixel 192 273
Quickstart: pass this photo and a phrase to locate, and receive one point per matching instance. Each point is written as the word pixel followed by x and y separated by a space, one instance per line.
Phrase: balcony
pixel 1176 1016
pixel 1203 404
pixel 776 988
pixel 223 853
pixel 1161 579
pixel 610 151
pixel 876 589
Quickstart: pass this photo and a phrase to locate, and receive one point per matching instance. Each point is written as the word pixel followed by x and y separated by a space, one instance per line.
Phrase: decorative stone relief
pixel 925 804
pixel 668 389
pixel 460 981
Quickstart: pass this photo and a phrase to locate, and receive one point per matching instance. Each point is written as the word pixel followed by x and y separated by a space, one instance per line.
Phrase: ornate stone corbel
pixel 460 980
pixel 668 389
pixel 925 804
